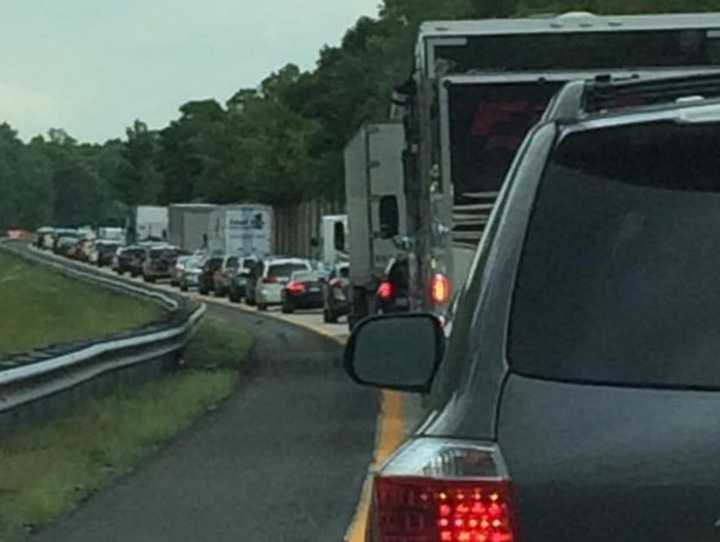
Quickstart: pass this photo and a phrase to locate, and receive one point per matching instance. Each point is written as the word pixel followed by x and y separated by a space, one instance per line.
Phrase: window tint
pixel 285 271
pixel 232 263
pixel 618 279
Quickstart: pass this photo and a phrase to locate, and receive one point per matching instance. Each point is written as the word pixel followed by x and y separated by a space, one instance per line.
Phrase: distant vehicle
pixel 158 262
pixel 337 294
pixel 111 234
pixel 376 206
pixel 273 277
pixel 43 237
pixel 224 275
pixel 147 223
pixel 66 245
pixel 242 230
pixel 189 275
pixel 334 239
pixel 579 361
pixel 303 291
pixel 178 268
pixel 392 292
pixel 238 288
pixel 105 251
pixel 189 225
pixel 129 260
pixel 206 280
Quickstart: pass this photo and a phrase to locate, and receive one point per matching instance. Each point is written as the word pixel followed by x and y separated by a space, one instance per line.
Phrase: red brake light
pixel 385 291
pixel 270 280
pixel 443 491
pixel 295 287
pixel 440 289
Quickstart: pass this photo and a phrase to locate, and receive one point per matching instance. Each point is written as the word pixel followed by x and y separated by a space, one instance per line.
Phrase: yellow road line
pixel 390 434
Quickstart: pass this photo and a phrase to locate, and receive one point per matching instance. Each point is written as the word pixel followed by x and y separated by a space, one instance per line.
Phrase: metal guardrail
pixel 47 372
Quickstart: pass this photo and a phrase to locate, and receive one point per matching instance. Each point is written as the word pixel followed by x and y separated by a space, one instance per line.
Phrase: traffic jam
pixel 528 245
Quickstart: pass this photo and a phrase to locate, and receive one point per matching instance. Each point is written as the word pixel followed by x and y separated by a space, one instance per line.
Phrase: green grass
pixel 47 469
pixel 39 306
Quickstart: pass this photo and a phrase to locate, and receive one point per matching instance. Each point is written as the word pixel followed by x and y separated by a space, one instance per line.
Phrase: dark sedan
pixel 303 291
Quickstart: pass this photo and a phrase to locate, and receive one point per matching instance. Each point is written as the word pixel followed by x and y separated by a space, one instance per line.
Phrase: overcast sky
pixel 93 66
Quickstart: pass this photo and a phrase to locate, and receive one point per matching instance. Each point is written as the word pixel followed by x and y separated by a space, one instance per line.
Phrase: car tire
pixel 184 288
pixel 234 298
pixel 261 307
pixel 218 293
pixel 287 308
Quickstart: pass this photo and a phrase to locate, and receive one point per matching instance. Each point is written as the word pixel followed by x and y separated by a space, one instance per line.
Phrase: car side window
pixel 232 263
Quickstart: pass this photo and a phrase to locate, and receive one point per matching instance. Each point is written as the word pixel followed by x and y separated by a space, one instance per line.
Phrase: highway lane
pixel 283 460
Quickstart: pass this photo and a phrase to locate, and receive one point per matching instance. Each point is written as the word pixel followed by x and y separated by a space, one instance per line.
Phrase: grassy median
pixel 41 306
pixel 46 470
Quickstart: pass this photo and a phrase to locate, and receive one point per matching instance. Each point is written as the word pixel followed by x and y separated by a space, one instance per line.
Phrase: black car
pixel 577 396
pixel 336 294
pixel 129 260
pixel 105 251
pixel 303 291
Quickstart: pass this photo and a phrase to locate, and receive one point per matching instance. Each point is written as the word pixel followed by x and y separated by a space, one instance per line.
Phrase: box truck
pixel 189 225
pixel 243 230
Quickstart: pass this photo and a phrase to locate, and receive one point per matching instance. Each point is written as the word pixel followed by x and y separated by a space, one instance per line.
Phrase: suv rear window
pixel 285 271
pixel 618 281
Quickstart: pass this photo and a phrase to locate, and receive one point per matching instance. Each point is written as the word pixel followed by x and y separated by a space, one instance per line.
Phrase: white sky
pixel 93 66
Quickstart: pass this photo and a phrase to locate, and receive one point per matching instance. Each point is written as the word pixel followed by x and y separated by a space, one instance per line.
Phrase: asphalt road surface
pixel 283 460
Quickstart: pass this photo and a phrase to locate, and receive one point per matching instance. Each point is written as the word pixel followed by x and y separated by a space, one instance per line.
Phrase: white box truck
pixel 147 222
pixel 335 241
pixel 244 229
pixel 377 211
pixel 189 225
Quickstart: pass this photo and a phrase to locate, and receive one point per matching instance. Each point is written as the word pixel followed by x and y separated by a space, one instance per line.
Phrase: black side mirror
pixel 399 352
pixel 339 232
pixel 389 217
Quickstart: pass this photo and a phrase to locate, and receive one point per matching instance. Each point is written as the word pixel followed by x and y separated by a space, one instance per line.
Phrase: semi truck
pixel 147 222
pixel 243 230
pixel 476 89
pixel 377 212
pixel 189 225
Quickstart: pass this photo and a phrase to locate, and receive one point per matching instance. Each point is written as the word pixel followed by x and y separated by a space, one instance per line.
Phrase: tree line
pixel 278 143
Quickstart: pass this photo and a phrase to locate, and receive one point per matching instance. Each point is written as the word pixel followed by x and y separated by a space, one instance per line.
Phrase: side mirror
pixel 399 352
pixel 314 242
pixel 339 231
pixel 389 217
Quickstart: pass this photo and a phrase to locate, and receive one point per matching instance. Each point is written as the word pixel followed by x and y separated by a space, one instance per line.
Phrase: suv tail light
pixel 296 288
pixel 385 291
pixel 443 491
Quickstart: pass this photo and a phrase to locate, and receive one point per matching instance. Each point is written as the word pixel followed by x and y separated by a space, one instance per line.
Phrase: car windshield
pixel 618 280
pixel 285 270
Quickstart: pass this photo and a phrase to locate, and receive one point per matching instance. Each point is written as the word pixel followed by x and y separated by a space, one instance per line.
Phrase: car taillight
pixel 295 287
pixel 270 280
pixel 443 491
pixel 385 291
pixel 440 289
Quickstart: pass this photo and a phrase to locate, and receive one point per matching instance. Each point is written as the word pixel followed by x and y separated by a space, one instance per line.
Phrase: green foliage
pixel 277 143
pixel 43 307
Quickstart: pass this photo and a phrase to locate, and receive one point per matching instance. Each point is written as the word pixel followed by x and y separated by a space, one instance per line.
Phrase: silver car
pixel 275 274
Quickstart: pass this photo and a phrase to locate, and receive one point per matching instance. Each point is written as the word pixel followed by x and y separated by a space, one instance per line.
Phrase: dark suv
pixel 206 280
pixel 577 397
